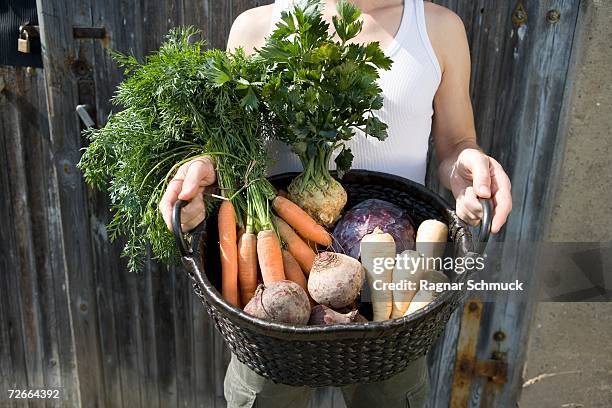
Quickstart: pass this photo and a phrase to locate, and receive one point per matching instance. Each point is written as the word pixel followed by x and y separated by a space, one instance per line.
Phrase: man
pixel 426 91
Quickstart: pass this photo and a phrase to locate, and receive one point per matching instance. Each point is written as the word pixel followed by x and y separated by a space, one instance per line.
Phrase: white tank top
pixel 408 89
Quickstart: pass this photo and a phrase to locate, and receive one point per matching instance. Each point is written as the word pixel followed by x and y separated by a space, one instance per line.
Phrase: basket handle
pixel 480 243
pixel 176 228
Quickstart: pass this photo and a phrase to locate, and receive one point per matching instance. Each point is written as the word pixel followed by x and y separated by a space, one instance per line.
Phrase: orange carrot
pixel 229 252
pixel 302 253
pixel 270 257
pixel 247 266
pixel 301 221
pixel 239 234
pixel 294 273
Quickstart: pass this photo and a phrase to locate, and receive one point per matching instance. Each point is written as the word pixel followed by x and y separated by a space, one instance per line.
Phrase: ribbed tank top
pixel 408 89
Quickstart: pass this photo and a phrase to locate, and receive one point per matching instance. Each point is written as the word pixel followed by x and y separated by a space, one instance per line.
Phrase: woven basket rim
pixel 304 332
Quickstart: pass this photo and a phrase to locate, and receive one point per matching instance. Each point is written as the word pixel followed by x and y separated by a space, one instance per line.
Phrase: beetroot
pixel 335 279
pixel 322 314
pixel 282 301
pixel 367 215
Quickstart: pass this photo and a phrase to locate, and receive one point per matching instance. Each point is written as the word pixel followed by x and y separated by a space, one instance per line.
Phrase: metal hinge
pixel 467 366
pixel 495 368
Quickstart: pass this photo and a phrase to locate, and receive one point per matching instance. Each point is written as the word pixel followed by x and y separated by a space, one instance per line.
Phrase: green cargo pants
pixel 244 388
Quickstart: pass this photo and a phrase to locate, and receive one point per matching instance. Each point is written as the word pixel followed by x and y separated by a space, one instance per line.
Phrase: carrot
pixel 302 253
pixel 293 272
pixel 247 266
pixel 229 253
pixel 301 221
pixel 270 257
pixel 239 234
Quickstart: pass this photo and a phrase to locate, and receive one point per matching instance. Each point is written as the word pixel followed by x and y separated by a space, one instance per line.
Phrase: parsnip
pixel 431 238
pixel 408 268
pixel 378 260
pixel 424 297
pixel 420 300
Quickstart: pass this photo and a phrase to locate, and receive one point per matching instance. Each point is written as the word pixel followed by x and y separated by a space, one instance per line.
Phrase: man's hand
pixel 188 184
pixel 476 175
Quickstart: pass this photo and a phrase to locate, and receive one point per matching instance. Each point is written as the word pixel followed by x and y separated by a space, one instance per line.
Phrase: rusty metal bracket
pixel 493 369
pixel 467 366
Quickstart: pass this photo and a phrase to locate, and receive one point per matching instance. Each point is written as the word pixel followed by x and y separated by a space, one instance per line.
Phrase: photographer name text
pixel 439 287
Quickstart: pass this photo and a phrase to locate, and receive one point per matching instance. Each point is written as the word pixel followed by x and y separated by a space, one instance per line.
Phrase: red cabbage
pixel 367 215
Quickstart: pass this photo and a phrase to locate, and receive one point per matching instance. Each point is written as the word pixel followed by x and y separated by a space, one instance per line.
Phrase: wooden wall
pixel 71 317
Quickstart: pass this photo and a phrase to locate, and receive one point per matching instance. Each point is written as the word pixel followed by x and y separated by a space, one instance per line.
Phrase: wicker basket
pixel 332 355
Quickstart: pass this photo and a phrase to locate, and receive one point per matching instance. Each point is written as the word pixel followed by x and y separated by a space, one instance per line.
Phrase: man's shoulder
pixel 446 33
pixel 442 20
pixel 251 27
pixel 255 15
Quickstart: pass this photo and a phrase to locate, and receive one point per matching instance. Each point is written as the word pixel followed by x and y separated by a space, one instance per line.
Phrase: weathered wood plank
pixel 25 277
pixel 67 63
pixel 203 357
pixel 32 225
pixel 162 291
pixel 220 362
pixel 128 338
pixel 183 326
pixel 442 362
pixel 107 310
pixel 7 369
pixel 149 345
pixel 12 346
pixel 220 22
pixel 36 160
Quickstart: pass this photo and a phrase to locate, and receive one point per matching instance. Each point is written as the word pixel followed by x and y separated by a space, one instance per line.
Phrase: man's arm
pixel 463 167
pixel 453 124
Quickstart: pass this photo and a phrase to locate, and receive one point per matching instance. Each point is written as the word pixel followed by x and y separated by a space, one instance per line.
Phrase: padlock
pixel 23 43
